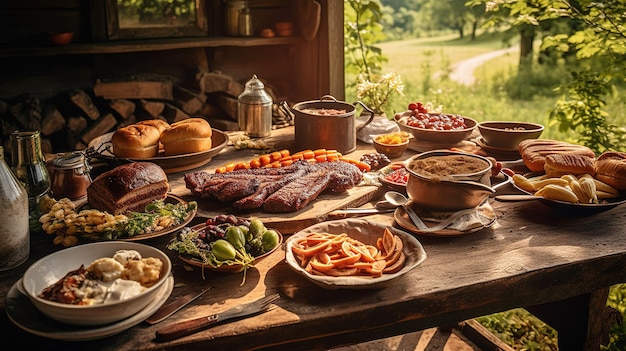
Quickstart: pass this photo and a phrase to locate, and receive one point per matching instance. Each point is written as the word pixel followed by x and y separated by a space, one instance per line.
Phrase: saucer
pixel 23 313
pixel 484 217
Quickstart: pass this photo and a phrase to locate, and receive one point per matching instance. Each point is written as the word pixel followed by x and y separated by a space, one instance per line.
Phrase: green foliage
pixel 363 28
pixel 595 33
pixel 522 330
pixel 362 23
pixel 581 109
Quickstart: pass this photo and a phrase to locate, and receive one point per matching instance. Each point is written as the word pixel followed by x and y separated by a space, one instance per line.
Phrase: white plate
pixel 366 232
pixel 22 313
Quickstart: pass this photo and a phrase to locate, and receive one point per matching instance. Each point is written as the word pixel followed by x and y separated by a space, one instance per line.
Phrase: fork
pixel 184 328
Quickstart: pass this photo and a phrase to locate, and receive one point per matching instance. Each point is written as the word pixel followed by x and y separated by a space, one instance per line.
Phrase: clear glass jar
pixel 70 176
pixel 14 230
pixel 29 165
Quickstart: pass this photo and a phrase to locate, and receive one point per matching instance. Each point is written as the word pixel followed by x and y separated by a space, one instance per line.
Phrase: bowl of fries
pixel 353 254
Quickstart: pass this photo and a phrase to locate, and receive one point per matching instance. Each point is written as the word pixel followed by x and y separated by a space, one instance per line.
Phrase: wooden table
pixel 532 257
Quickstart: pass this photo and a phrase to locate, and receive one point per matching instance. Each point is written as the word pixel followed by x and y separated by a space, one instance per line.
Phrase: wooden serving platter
pixel 288 223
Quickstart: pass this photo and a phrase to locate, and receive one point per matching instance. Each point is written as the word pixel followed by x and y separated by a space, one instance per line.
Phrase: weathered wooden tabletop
pixel 533 255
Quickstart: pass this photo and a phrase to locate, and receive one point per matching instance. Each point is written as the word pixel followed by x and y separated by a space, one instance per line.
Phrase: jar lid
pixel 70 160
pixel 254 92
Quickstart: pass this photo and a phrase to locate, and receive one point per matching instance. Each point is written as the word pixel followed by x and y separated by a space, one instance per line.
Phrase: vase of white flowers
pixel 376 93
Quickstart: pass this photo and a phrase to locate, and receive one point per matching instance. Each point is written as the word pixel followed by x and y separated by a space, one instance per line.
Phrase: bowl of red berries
pixel 435 127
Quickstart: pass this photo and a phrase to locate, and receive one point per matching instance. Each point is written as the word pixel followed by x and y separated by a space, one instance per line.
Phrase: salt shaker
pixel 14 229
pixel 254 109
pixel 29 165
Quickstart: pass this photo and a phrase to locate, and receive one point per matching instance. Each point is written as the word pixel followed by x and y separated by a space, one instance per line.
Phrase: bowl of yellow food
pixel 392 145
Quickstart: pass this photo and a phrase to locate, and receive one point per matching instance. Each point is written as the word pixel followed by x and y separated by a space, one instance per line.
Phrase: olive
pixel 270 240
pixel 257 228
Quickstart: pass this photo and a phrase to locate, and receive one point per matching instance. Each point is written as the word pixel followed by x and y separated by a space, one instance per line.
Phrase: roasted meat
pixel 275 190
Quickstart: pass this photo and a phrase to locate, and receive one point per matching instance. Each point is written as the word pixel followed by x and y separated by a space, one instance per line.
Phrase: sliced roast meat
pixel 298 193
pixel 275 190
pixel 267 188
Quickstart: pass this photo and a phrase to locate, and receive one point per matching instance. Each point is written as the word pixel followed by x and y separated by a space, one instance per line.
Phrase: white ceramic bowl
pixel 367 233
pixel 55 266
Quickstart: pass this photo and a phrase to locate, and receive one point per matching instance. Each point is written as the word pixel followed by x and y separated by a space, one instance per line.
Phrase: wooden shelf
pixel 114 47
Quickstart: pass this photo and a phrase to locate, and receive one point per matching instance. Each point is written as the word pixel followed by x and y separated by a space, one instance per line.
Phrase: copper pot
pixel 453 192
pixel 327 124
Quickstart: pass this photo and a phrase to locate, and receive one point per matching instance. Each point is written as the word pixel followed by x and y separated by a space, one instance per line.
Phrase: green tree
pixel 596 39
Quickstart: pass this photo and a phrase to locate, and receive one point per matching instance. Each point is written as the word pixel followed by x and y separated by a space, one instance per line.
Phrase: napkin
pixel 481 216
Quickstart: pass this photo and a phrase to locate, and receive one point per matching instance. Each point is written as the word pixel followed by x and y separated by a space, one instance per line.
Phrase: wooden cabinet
pixel 296 68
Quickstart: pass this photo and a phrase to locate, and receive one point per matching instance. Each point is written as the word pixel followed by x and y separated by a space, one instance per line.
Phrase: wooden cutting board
pixel 287 223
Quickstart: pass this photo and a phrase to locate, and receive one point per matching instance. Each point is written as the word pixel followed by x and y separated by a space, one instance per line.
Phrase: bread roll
pixel 534 151
pixel 187 136
pixel 611 169
pixel 136 141
pixel 128 188
pixel 559 164
pixel 159 124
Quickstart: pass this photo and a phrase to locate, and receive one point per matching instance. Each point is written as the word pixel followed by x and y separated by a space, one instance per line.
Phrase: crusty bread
pixel 136 141
pixel 127 188
pixel 611 169
pixel 534 151
pixel 187 136
pixel 159 124
pixel 559 164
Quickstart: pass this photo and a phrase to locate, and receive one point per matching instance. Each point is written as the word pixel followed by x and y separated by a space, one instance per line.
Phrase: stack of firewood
pixel 70 120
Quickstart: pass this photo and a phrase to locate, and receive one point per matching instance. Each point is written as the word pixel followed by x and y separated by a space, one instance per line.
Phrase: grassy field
pixel 425 65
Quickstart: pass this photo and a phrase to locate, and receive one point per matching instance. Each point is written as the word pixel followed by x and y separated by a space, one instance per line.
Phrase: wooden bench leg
pixel 581 321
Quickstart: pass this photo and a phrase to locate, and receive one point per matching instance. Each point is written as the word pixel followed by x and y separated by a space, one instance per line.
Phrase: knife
pixel 174 306
pixel 179 329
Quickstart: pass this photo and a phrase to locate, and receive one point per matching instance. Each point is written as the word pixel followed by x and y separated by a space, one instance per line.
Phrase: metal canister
pixel 254 109
pixel 233 11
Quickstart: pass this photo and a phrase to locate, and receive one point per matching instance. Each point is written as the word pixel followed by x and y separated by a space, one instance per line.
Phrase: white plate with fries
pixel 337 272
pixel 607 198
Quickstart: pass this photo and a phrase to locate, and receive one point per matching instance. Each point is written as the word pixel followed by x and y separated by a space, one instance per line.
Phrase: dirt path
pixel 463 71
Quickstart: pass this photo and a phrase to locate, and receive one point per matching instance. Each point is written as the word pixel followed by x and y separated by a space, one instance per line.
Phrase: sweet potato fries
pixel 339 255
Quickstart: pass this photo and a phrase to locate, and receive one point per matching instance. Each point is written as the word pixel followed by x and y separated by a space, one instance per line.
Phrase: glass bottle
pixel 14 230
pixel 29 165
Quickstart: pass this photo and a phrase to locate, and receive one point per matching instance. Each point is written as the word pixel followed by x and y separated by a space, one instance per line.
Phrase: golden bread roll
pixel 136 141
pixel 159 124
pixel 611 169
pixel 534 151
pixel 187 136
pixel 557 165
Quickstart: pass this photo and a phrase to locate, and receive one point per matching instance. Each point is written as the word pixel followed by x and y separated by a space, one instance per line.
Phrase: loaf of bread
pixel 534 151
pixel 128 188
pixel 136 141
pixel 560 164
pixel 611 169
pixel 187 136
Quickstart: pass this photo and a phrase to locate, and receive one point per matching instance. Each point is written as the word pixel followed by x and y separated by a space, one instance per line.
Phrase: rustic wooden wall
pixel 32 68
